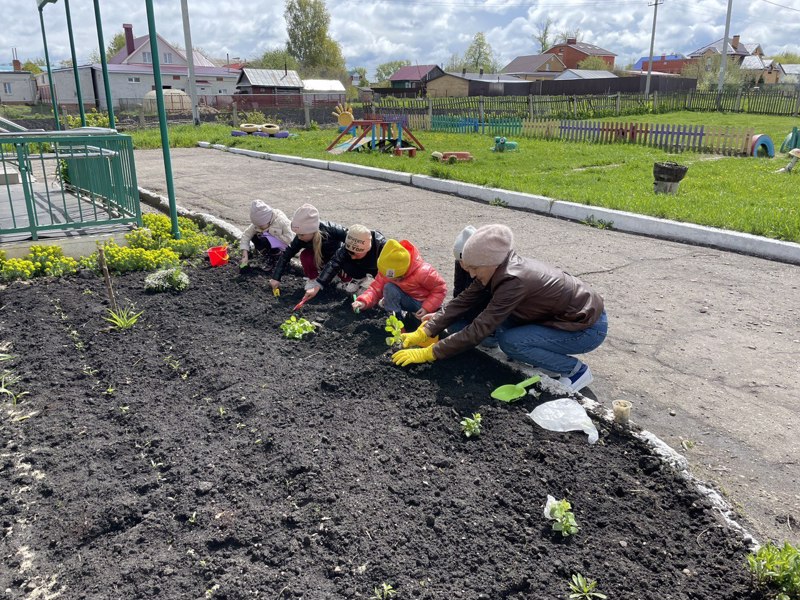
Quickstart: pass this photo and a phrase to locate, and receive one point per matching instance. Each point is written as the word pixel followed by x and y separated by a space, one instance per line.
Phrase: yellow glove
pixel 413 356
pixel 418 338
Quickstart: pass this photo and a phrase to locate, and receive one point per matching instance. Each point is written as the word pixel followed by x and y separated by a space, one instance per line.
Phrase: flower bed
pixel 202 454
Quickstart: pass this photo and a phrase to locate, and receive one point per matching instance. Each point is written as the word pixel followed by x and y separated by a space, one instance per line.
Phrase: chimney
pixel 481 72
pixel 17 65
pixel 463 71
pixel 128 28
pixel 571 41
pixel 735 42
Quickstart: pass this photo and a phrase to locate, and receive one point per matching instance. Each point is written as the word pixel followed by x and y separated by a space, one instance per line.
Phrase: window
pixel 134 80
pixel 147 57
pixel 176 77
pixel 167 58
pixel 6 88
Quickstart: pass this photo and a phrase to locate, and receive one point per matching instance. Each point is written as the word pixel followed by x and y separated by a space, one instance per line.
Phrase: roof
pixel 491 77
pixel 411 73
pixel 791 69
pixel 323 85
pixel 271 78
pixel 741 50
pixel 639 65
pixel 589 49
pixel 586 74
pixel 165 70
pixel 755 63
pixel 200 60
pixel 529 63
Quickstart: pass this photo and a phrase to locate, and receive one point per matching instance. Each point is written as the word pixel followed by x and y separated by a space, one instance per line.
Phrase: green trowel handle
pixel 530 381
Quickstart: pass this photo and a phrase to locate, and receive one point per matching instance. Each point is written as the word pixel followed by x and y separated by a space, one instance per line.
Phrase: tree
pixel 34 65
pixel 567 34
pixel 479 55
pixel 307 24
pixel 542 35
pixel 706 71
pixel 116 44
pixel 593 63
pixel 277 58
pixel 332 65
pixel 455 64
pixel 362 76
pixel 787 58
pixel 65 64
pixel 387 69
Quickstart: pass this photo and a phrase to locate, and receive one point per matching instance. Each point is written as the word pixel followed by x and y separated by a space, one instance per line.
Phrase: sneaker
pixel 578 380
pixel 352 286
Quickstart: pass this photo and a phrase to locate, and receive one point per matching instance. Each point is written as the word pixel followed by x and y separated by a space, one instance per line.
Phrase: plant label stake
pixel 355 299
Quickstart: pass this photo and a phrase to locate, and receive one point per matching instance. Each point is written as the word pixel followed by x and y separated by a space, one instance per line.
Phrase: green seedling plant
pixel 775 571
pixel 395 328
pixel 123 318
pixel 472 426
pixel 561 513
pixel 384 592
pixel 294 328
pixel 584 588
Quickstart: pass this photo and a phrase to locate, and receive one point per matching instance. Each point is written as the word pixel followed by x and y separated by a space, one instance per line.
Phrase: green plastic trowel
pixel 513 391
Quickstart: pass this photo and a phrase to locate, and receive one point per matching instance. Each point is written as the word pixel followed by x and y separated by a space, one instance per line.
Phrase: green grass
pixel 741 194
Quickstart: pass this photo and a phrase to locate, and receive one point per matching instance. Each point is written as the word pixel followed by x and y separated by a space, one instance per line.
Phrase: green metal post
pixel 162 118
pixel 104 64
pixel 49 72
pixel 75 64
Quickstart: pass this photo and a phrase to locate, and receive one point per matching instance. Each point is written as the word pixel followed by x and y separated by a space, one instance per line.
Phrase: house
pixel 791 74
pixel 534 67
pixel 414 77
pixel 16 86
pixel 735 49
pixel 476 84
pixel 130 76
pixel 570 74
pixel 323 91
pixel 761 71
pixel 268 88
pixel 666 63
pixel 573 52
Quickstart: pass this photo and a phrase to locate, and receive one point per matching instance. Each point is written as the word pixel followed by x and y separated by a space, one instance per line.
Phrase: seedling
pixel 584 588
pixel 565 521
pixel 384 592
pixel 222 411
pixel 295 328
pixel 7 381
pixel 395 328
pixel 124 409
pixel 472 426
pixel 123 318
pixel 776 570
pixel 597 223
pixel 193 519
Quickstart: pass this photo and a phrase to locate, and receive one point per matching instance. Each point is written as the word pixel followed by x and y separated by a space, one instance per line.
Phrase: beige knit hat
pixel 359 239
pixel 260 214
pixel 305 220
pixel 461 239
pixel 488 246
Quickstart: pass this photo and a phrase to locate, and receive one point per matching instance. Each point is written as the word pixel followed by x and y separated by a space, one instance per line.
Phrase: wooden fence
pixel 673 138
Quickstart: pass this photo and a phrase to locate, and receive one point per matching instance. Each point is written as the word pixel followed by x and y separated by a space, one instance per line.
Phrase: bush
pixel 123 260
pixel 167 280
pixel 156 233
pixel 776 571
pixel 50 261
pixel 93 119
pixel 17 268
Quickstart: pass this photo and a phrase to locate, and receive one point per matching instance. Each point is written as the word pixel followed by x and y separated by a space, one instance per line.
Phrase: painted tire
pixel 249 127
pixel 761 145
pixel 270 128
pixel 236 133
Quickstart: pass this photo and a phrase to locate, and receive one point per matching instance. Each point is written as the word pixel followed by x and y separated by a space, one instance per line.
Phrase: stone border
pixel 699 235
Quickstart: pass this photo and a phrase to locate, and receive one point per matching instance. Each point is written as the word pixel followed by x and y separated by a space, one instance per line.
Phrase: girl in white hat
pixel 269 230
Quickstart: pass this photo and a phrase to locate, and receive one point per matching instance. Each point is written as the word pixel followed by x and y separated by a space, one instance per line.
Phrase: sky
pixel 372 32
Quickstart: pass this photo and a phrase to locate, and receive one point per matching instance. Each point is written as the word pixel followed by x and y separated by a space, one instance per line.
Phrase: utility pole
pixel 652 42
pixel 724 59
pixel 187 36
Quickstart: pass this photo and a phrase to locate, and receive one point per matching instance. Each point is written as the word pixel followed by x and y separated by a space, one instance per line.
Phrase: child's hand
pixel 274 284
pixel 421 314
pixel 243 264
pixel 310 293
pixel 357 306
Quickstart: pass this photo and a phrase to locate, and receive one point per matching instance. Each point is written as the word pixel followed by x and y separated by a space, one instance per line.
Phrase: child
pixel 317 241
pixel 405 282
pixel 269 230
pixel 461 279
pixel 357 259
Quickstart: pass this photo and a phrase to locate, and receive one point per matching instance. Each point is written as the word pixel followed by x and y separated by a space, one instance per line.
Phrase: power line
pixel 781 5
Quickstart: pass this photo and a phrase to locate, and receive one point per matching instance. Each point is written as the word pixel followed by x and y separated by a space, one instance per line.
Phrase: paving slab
pixel 704 342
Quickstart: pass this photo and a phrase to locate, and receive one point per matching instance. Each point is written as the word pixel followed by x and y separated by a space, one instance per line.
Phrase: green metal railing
pixel 62 180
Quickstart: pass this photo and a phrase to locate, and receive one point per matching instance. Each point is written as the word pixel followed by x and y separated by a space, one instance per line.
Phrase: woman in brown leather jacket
pixel 539 314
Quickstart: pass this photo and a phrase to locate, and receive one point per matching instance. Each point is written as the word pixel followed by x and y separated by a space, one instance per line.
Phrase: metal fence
pixel 66 180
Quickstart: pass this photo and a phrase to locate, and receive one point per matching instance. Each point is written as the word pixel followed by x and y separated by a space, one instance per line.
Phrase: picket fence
pixel 673 138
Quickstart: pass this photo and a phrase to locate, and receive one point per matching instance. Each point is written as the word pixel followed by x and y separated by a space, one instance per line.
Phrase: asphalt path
pixel 705 343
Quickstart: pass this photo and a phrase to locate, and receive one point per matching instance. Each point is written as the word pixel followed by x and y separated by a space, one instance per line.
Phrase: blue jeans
pixel 395 300
pixel 549 348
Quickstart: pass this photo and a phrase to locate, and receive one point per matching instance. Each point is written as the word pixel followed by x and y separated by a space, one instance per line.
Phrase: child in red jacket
pixel 405 282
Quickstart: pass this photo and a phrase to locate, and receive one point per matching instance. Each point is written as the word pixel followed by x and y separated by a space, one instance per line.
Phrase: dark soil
pixel 203 455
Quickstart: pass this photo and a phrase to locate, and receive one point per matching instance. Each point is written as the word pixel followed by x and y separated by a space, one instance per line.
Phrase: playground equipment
pixel 795 154
pixel 376 134
pixel 452 157
pixel 501 144
pixel 343 114
pixel 264 130
pixel 791 141
pixel 668 176
pixel 761 145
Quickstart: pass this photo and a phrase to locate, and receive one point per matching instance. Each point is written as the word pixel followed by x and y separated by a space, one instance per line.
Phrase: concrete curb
pixel 223 228
pixel 688 233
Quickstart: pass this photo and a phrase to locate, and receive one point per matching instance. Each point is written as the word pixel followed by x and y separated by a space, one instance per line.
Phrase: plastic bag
pixel 564 414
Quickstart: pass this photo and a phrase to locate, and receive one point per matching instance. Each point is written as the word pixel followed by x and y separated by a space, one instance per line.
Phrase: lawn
pixel 741 194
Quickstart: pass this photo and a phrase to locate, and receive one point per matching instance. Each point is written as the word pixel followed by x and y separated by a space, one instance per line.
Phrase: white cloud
pixel 421 31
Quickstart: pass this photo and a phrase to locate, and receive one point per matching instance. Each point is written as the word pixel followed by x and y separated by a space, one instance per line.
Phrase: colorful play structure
pixel 452 157
pixel 265 130
pixel 373 133
pixel 791 141
pixel 501 144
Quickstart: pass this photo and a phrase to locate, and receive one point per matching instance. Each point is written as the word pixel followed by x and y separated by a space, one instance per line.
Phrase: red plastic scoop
pixel 301 303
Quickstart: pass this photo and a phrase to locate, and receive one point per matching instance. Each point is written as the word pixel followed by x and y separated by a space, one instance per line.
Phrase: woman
pixel 539 314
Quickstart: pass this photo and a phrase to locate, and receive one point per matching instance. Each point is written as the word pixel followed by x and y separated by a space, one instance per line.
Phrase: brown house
pixel 534 67
pixel 573 52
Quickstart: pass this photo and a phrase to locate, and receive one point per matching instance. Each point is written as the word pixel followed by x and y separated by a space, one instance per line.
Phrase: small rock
pixel 623 543
pixel 672 413
pixel 704 309
pixel 687 571
pixel 204 487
